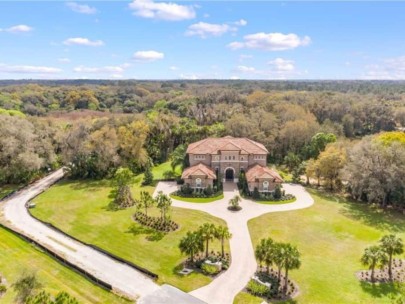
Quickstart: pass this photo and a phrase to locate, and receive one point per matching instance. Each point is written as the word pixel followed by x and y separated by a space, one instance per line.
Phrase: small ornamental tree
pixel 148 176
pixel 163 203
pixel 123 178
pixel 146 201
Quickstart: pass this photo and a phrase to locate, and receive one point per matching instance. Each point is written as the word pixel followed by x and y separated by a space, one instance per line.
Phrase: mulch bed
pixel 381 275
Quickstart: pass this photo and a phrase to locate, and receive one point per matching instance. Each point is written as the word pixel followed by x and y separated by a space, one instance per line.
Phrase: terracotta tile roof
pixel 200 170
pixel 227 143
pixel 258 171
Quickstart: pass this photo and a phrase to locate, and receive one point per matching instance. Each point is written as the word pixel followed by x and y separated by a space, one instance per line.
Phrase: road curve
pixel 123 278
pixel 224 288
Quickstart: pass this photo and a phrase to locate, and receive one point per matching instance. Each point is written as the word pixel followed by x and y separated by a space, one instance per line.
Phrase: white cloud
pixel 83 41
pixel 148 56
pixel 390 69
pixel 81 8
pixel 241 22
pixel 270 42
pixel 64 60
pixel 99 70
pixel 162 10
pixel 280 64
pixel 174 68
pixel 234 77
pixel 28 69
pixel 205 30
pixel 22 28
pixel 245 69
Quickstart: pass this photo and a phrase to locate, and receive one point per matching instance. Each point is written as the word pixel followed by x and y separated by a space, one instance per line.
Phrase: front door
pixel 229 174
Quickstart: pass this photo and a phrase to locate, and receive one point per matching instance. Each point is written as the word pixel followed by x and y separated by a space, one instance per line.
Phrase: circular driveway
pixel 226 286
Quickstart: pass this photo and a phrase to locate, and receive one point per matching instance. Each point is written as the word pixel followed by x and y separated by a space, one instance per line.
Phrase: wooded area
pixel 320 129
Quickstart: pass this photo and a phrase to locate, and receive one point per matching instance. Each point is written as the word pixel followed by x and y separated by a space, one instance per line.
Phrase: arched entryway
pixel 229 174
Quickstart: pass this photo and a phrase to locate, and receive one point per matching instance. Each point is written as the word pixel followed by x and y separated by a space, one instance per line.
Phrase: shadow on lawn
pixel 152 234
pixel 88 184
pixel 388 220
pixel 380 290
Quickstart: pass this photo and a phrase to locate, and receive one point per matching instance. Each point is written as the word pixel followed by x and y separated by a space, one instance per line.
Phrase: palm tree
pixel 278 258
pixel 264 252
pixel 234 202
pixel 191 243
pixel 208 232
pixel 391 245
pixel 223 234
pixel 178 157
pixel 372 256
pixel 291 261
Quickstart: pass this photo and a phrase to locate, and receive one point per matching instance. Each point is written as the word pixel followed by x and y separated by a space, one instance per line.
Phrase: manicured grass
pixel 159 170
pixel 80 208
pixel 197 199
pixel 6 189
pixel 16 255
pixel 246 298
pixel 331 236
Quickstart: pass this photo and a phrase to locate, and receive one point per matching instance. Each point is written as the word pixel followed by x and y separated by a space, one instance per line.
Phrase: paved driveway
pixel 123 278
pixel 224 288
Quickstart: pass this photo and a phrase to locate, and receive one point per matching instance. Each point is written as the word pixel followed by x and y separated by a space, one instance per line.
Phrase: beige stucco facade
pixel 225 158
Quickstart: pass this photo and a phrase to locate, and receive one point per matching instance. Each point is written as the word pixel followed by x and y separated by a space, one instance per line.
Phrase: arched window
pixel 265 186
pixel 198 182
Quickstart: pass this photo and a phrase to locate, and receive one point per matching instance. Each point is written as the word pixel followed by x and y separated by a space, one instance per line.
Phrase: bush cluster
pixel 186 191
pixel 156 223
pixel 209 269
pixel 257 289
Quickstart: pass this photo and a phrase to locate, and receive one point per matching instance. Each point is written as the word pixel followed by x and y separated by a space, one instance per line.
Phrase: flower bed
pixel 267 286
pixel 156 223
pixel 208 268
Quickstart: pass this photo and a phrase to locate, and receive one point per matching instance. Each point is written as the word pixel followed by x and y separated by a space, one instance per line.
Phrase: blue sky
pixel 146 39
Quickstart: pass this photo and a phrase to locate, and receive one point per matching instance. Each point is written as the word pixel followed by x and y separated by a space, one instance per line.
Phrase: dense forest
pixel 330 131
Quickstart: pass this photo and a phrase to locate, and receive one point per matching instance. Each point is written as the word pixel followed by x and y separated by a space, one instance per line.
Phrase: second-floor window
pixel 259 157
pixel 197 157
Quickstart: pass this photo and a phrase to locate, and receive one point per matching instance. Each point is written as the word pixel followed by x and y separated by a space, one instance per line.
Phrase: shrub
pixel 209 269
pixel 3 289
pixel 277 192
pixel 148 176
pixel 257 289
pixel 256 193
pixel 208 191
pixel 186 189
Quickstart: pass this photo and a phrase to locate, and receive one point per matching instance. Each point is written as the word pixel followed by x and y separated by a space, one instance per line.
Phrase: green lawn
pixel 6 189
pixel 331 236
pixel 80 208
pixel 16 255
pixel 159 170
pixel 197 199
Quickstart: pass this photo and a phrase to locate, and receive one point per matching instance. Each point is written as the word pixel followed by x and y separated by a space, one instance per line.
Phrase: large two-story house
pixel 224 158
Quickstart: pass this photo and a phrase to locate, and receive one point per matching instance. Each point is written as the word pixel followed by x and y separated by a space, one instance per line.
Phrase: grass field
pixel 16 255
pixel 80 208
pixel 331 236
pixel 198 199
pixel 6 189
